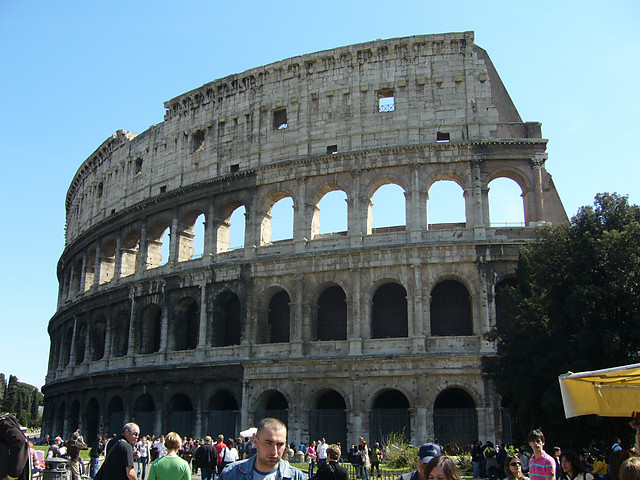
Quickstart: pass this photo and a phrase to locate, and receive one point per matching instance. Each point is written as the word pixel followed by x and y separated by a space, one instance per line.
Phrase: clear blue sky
pixel 72 73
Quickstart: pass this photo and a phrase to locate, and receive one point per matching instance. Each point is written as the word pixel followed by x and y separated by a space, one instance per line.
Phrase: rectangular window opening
pixel 386 100
pixel 235 168
pixel 198 141
pixel 138 166
pixel 331 149
pixel 280 119
pixel 163 189
pixel 442 136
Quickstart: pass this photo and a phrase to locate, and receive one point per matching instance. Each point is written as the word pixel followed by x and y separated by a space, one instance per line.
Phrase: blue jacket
pixel 242 471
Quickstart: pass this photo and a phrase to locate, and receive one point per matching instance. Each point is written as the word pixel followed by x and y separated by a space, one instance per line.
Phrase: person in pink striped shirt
pixel 542 466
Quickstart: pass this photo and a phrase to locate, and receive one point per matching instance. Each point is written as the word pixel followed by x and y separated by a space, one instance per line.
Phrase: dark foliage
pixel 21 400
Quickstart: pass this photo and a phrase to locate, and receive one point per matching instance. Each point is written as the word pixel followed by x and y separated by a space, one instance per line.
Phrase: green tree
pixel 3 387
pixel 576 307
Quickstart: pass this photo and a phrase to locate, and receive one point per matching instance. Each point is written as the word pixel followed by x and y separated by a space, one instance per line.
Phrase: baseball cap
pixel 428 451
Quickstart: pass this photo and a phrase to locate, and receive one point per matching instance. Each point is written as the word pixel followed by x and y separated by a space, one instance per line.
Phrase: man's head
pixel 333 452
pixel 220 438
pixel 270 441
pixel 428 451
pixel 208 439
pixel 536 440
pixel 131 432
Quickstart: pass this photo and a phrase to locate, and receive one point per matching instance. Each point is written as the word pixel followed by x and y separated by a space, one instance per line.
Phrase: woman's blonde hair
pixel 630 469
pixel 172 441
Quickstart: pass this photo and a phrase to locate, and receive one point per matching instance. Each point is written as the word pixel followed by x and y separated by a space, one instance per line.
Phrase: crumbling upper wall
pixel 443 88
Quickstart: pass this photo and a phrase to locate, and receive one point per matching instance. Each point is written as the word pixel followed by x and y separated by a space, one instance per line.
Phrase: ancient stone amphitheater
pixel 360 332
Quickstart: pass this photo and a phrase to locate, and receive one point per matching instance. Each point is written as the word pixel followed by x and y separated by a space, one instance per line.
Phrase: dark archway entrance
pixel 227 326
pixel 389 312
pixel 390 415
pixel 273 404
pixel 222 415
pixel 144 414
pixel 180 415
pixel 455 419
pixel 332 314
pixel 451 309
pixel 115 416
pixel 328 419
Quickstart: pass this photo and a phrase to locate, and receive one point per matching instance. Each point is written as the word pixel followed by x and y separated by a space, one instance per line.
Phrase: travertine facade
pixel 359 332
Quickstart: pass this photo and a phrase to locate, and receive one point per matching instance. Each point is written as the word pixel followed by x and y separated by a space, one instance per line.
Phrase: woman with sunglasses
pixel 513 468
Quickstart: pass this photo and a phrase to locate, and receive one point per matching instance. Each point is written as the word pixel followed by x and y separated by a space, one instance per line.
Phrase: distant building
pixel 361 332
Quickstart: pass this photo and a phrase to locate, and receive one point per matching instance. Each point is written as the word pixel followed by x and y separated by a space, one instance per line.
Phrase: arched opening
pixel 277 224
pixel 389 312
pixel 505 309
pixel 81 341
pixel 107 261
pixel 180 415
pixel 120 335
pixel 451 309
pixel 222 414
pixel 388 209
pixel 446 205
pixel 191 236
pixel 98 334
pixel 272 404
pixel 115 415
pixel 279 318
pixel 186 324
pixel 158 245
pixel 90 423
pixel 227 324
pixel 90 269
pixel 129 251
pixel 506 203
pixel 148 333
pixel 507 422
pixel 390 415
pixel 65 354
pixel 455 420
pixel 332 314
pixel 144 413
pixel 199 229
pixel 74 416
pixel 328 418
pixel 231 231
pixel 330 215
pixel 76 276
pixel 58 426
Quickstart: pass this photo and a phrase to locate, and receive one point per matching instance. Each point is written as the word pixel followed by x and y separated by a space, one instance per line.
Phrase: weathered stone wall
pixel 200 336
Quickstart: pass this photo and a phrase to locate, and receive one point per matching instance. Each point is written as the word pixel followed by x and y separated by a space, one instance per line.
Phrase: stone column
pixel 356 218
pixel 107 337
pixel 83 273
pixel 297 318
pixel 117 268
pixel 420 435
pixel 197 414
pixel 173 240
pixel 96 273
pixel 72 347
pixel 537 165
pixel 132 347
pixel 210 232
pixel 301 229
pixel 202 331
pixel 142 249
pixel 164 329
pixel 416 205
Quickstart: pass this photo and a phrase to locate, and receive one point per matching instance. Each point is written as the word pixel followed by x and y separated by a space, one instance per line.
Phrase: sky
pixel 72 73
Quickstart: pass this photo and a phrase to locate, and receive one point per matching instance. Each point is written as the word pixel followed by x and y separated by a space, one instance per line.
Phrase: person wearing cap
pixel 54 449
pixel 426 453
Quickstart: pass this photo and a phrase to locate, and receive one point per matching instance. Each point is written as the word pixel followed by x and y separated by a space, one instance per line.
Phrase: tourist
pixel 118 462
pixel 376 457
pixel 270 441
pixel 229 453
pixel 426 454
pixel 14 457
pixel 220 446
pixel 572 467
pixel 206 458
pixel 513 468
pixel 144 451
pixel 332 470
pixel 630 469
pixel 542 466
pixel 311 457
pixel 74 446
pixel 441 468
pixel 170 466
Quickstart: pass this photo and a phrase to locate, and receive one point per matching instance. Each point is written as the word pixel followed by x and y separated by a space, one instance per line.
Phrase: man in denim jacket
pixel 270 441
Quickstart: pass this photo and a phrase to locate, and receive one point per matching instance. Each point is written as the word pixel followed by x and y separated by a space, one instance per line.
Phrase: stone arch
pixel 390 415
pixel 76 277
pixel 186 324
pixel 129 253
pixel 98 337
pixel 328 417
pixel 180 418
pixel 224 229
pixel 266 231
pixel 120 334
pixel 90 268
pixel 148 333
pixel 505 319
pixel 389 311
pixel 67 339
pixel 187 227
pixel 455 419
pixel 279 317
pixel 227 320
pixel 144 414
pixel 440 206
pixel 384 187
pixel 91 420
pixel 107 260
pixel 115 415
pixel 272 403
pixel 318 197
pixel 156 239
pixel 506 197
pixel 332 314
pixel 451 312
pixel 81 341
pixel 74 416
pixel 59 420
pixel 222 414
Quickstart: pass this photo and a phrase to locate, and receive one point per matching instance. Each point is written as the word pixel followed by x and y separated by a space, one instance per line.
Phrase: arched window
pixel 332 314
pixel 107 261
pixel 390 415
pixel 115 415
pixel 91 419
pixel 65 354
pixel 388 209
pixel 272 404
pixel 158 245
pixel 98 334
pixel 191 236
pixel 149 331
pixel 330 217
pixel 186 324
pixel 455 419
pixel 222 414
pixel 130 250
pixel 81 340
pixel 328 418
pixel 227 324
pixel 180 415
pixel 451 309
pixel 389 312
pixel 120 335
pixel 279 320
pixel 144 413
pixel 506 204
pixel 446 206
pixel 277 223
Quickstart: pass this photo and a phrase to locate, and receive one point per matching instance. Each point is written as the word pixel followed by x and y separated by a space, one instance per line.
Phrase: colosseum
pixel 163 321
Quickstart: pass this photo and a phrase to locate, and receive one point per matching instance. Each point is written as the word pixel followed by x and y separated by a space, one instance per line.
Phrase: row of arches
pixel 152 330
pixel 166 239
pixel 454 420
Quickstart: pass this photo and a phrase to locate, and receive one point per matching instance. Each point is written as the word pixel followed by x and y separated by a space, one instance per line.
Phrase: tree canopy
pixel 21 400
pixel 576 307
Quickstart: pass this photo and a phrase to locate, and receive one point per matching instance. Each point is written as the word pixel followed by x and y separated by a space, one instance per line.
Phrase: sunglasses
pixel 516 464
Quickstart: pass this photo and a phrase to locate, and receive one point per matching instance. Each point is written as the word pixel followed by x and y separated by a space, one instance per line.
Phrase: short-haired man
pixel 542 466
pixel 206 457
pixel 118 464
pixel 332 470
pixel 267 464
pixel 426 453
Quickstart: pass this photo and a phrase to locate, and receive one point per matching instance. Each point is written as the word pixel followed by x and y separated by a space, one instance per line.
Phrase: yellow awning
pixel 612 392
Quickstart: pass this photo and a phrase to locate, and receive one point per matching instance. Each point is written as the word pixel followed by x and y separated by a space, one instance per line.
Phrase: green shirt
pixel 169 468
